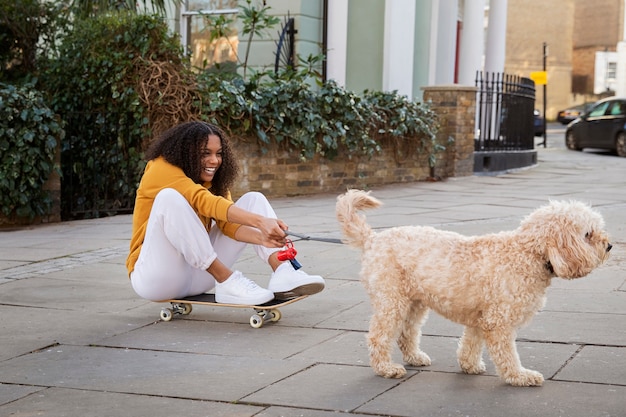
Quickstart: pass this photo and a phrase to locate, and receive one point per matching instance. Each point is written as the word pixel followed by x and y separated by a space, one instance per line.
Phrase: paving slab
pixel 438 394
pixel 58 402
pixel 587 301
pixel 577 328
pixel 156 373
pixel 302 412
pixel 222 339
pixel 89 295
pixel 598 364
pixel 28 329
pixel 10 393
pixel 325 387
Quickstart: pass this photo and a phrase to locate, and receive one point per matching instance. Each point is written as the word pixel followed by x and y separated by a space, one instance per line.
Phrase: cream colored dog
pixel 491 284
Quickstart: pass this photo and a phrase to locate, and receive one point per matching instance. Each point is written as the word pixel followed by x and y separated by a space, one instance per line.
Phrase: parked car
pixel 604 127
pixel 569 115
pixel 538 123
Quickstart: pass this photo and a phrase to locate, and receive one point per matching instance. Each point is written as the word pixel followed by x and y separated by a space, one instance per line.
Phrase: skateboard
pixel 264 312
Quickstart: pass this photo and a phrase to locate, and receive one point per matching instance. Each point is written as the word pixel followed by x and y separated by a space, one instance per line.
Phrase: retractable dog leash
pixel 289 253
pixel 301 236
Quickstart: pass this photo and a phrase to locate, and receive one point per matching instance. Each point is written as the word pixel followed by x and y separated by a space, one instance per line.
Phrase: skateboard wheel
pixel 166 314
pixel 275 315
pixel 256 321
pixel 187 309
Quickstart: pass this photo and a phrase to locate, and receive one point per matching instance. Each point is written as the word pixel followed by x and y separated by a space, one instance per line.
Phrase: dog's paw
pixel 526 378
pixel 417 359
pixel 473 368
pixel 390 370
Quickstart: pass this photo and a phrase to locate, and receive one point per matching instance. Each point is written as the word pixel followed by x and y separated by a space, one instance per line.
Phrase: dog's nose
pixel 608 248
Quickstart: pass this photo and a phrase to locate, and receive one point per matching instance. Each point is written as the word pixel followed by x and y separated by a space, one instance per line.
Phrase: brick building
pixel 598 27
pixel 530 23
pixel 582 38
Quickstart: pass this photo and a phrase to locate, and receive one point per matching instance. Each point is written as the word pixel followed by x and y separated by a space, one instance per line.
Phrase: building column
pixel 443 37
pixel 398 46
pixel 472 40
pixel 496 36
pixel 337 54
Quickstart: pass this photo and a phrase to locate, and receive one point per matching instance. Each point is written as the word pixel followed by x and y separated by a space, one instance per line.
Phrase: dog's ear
pixel 558 231
pixel 567 255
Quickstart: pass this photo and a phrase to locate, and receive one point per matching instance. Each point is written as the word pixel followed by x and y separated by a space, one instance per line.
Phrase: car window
pixel 600 109
pixel 617 109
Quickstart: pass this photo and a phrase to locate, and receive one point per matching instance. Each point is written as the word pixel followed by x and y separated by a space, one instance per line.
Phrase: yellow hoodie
pixel 160 174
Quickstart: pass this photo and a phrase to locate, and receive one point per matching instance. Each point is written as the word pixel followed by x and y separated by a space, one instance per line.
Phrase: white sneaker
pixel 238 289
pixel 286 282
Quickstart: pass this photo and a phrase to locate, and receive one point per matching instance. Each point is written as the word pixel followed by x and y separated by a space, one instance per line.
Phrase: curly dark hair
pixel 182 145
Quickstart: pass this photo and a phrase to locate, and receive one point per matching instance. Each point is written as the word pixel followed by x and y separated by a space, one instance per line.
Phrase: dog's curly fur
pixel 492 284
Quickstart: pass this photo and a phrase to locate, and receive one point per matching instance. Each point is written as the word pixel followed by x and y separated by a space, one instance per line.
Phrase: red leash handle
pixel 289 253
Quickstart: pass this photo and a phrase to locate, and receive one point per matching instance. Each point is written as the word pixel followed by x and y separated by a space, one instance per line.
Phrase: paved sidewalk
pixel 76 341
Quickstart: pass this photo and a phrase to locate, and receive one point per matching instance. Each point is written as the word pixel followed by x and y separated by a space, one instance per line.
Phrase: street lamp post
pixel 545 98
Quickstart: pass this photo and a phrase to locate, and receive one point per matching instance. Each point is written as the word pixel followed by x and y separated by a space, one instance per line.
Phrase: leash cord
pixel 301 236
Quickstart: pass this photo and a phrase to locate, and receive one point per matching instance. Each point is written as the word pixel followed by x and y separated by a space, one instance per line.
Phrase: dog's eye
pixel 588 235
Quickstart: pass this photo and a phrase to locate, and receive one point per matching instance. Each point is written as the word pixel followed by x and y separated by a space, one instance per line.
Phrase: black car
pixel 569 115
pixel 604 127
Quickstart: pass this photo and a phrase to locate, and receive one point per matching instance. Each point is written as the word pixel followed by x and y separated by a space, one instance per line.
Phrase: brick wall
pixel 279 174
pixel 456 108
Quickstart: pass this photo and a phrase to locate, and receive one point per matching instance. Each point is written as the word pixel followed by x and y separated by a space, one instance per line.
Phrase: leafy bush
pixel 29 134
pixel 103 84
pixel 285 111
pixel 411 127
pixel 28 30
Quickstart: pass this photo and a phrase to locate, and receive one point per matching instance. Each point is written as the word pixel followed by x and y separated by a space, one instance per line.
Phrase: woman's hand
pixel 258 229
pixel 272 232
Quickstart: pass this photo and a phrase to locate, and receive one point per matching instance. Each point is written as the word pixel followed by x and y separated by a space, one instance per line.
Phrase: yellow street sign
pixel 539 77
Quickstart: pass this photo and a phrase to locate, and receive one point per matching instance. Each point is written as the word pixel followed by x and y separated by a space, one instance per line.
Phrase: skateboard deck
pixel 264 312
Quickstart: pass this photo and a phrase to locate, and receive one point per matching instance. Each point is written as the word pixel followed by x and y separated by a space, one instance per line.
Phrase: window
pixel 600 109
pixel 611 71
pixel 617 109
pixel 201 19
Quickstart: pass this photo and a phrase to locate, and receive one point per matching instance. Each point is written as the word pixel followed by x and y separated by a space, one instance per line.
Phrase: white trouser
pixel 177 249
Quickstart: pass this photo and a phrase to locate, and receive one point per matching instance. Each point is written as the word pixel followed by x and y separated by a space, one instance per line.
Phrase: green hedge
pixel 94 85
pixel 29 134
pixel 286 111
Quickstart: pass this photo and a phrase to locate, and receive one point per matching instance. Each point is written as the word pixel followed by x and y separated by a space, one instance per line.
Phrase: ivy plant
pixel 29 135
pixel 298 112
pixel 409 126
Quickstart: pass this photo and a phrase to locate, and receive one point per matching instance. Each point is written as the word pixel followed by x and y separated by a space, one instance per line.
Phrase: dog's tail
pixel 354 226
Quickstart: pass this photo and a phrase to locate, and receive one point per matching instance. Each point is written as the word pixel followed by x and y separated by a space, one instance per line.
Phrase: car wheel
pixel 620 144
pixel 570 141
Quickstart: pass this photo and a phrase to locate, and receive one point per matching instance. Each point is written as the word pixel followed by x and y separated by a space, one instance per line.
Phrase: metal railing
pixel 505 112
pixel 100 166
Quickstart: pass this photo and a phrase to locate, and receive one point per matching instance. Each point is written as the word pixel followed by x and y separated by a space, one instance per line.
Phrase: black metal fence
pixel 505 112
pixel 101 162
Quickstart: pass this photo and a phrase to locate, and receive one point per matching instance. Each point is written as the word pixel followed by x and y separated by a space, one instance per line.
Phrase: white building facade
pixel 379 45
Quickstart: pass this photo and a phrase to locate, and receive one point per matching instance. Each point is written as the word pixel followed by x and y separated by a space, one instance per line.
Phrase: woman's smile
pixel 211 158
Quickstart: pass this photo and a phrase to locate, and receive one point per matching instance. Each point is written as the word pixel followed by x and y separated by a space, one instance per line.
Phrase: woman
pixel 188 233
